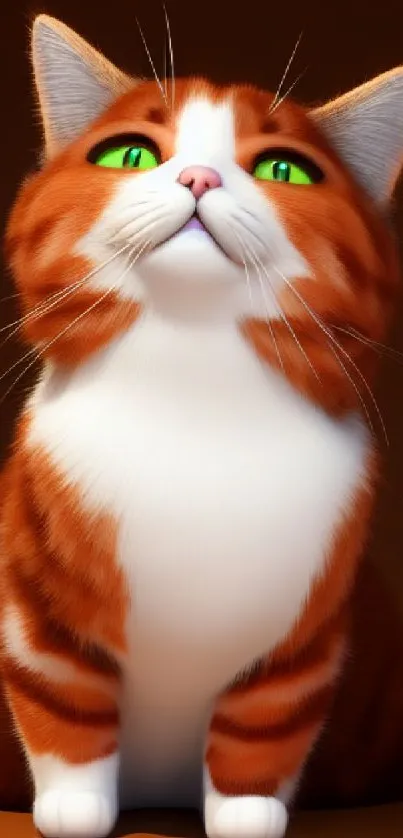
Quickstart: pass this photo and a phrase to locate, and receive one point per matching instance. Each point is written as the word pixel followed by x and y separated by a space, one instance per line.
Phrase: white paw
pixel 79 814
pixel 244 817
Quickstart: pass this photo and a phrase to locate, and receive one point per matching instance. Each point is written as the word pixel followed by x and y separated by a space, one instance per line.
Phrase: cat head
pixel 225 205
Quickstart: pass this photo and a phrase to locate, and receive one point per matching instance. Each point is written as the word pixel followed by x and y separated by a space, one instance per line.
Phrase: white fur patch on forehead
pixel 206 130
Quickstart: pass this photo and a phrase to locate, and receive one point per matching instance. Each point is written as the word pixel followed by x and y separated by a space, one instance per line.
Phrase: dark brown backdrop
pixel 344 43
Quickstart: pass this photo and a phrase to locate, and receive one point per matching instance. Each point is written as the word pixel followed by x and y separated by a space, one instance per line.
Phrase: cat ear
pixel 75 83
pixel 365 127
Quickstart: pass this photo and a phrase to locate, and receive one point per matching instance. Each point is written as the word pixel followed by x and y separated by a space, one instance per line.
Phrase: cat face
pixel 206 225
pixel 205 202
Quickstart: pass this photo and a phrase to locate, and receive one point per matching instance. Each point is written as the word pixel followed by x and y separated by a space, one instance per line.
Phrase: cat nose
pixel 199 179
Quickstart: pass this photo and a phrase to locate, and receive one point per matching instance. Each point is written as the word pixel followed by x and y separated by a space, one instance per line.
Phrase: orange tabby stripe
pixel 50 635
pixel 47 732
pixel 53 544
pixel 258 742
pixel 69 701
pixel 260 767
pixel 275 691
pixel 62 580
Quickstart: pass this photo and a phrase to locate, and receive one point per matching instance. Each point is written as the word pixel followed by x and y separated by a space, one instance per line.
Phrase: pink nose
pixel 199 179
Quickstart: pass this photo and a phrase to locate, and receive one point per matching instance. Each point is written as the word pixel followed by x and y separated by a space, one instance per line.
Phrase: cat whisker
pixel 268 318
pixel 165 71
pixel 29 354
pixel 237 218
pixel 9 297
pixel 285 74
pixel 49 303
pixel 33 352
pixel 287 93
pixel 332 342
pixel 263 291
pixel 146 229
pixel 249 284
pixel 171 55
pixel 247 275
pixel 122 230
pixel 287 322
pixel 380 348
pixel 157 79
pixel 41 352
pixel 357 391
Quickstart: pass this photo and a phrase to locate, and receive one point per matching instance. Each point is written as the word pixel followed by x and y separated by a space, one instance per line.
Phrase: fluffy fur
pixel 193 475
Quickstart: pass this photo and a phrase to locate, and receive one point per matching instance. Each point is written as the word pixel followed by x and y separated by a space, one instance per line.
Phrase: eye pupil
pixel 132 158
pixel 282 171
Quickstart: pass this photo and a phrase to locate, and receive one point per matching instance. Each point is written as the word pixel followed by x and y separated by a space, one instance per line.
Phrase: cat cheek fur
pixel 193 476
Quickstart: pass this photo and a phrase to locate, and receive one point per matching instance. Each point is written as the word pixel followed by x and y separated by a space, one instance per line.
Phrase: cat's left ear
pixel 365 127
pixel 74 81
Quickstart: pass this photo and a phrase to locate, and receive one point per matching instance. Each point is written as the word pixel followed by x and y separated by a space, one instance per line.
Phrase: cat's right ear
pixel 75 83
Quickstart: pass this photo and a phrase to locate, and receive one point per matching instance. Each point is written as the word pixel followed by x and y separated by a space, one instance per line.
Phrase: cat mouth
pixel 195 224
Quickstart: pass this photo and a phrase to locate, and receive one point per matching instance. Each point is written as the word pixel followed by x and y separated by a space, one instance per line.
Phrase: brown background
pixel 343 44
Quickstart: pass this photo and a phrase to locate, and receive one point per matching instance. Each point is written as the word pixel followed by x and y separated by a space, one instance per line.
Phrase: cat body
pixel 193 474
pixel 210 444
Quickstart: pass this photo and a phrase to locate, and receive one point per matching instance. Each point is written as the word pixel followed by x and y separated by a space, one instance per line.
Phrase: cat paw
pixel 245 817
pixel 66 814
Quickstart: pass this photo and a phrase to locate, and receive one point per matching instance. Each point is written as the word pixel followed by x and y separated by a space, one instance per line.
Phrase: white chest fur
pixel 228 487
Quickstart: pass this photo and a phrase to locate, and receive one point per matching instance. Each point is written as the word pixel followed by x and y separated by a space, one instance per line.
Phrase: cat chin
pixel 190 257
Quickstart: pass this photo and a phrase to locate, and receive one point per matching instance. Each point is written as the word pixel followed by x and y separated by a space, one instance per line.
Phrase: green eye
pixel 128 157
pixel 280 170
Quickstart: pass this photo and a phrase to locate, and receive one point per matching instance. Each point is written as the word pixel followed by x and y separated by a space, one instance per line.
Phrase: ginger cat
pixel 193 475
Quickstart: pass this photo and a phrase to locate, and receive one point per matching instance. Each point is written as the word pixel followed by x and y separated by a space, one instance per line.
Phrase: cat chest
pixel 226 484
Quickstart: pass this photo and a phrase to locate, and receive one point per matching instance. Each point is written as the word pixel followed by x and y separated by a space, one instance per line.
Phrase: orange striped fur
pixel 75 613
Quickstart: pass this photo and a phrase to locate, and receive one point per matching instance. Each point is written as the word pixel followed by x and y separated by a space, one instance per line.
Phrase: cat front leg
pixel 62 641
pixel 66 713
pixel 261 733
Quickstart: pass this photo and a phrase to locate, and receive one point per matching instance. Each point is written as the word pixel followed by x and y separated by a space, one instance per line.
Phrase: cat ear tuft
pixel 365 127
pixel 75 83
